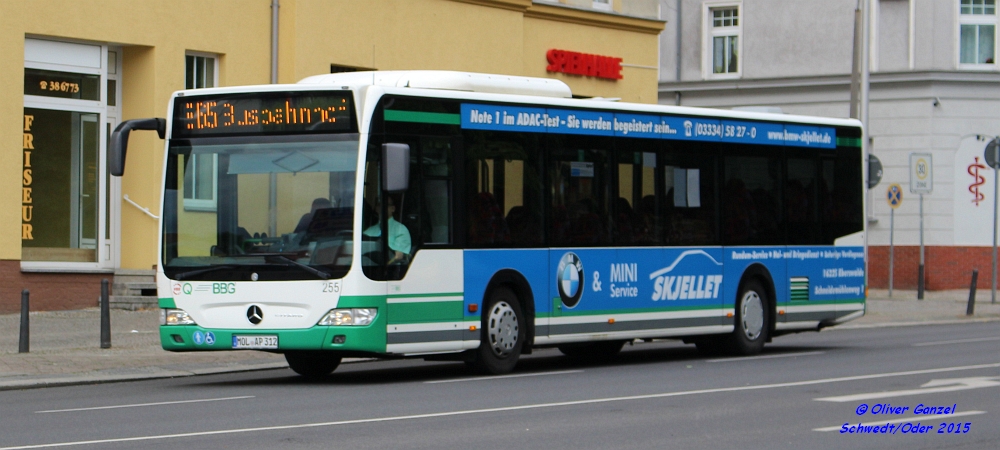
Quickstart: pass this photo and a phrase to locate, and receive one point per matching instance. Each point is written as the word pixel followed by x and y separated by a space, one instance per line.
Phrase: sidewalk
pixel 65 345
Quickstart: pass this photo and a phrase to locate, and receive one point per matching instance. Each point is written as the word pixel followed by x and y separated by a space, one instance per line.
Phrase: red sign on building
pixel 565 61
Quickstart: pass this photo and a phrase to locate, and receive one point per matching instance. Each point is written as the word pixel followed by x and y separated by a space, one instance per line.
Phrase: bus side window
pixel 503 189
pixel 580 177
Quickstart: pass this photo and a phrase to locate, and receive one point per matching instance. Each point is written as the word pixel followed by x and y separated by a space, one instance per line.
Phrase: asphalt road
pixel 802 392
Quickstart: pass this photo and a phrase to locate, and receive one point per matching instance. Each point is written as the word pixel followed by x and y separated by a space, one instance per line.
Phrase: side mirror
pixel 395 167
pixel 119 141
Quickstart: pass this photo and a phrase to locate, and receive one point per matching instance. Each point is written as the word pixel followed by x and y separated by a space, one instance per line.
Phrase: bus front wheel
pixel 312 364
pixel 502 334
pixel 751 320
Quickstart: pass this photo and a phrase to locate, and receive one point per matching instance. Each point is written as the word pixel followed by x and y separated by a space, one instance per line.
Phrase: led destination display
pixel 263 114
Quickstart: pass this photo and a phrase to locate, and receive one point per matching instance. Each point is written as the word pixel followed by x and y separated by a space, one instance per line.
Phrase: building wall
pixel 797 56
pixel 494 36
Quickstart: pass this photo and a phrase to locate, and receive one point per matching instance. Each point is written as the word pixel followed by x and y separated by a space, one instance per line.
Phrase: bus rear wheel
pixel 751 320
pixel 312 364
pixel 502 334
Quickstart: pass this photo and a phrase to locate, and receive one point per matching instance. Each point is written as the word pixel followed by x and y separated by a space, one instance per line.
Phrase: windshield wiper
pixel 293 263
pixel 191 273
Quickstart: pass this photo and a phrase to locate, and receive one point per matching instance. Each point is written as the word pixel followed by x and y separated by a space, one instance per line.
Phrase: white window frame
pixel 193 204
pixel 976 19
pixel 710 32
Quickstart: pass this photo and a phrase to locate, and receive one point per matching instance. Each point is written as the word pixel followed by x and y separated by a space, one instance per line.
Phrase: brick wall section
pixel 48 291
pixel 944 267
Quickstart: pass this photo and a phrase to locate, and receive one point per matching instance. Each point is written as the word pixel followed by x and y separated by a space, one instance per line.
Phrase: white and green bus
pixel 473 217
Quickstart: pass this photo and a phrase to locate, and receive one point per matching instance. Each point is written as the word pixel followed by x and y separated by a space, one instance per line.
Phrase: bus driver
pixel 399 236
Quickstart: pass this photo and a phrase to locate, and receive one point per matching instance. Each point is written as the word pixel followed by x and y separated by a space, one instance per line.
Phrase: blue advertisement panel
pixel 597 123
pixel 637 126
pixel 813 274
pixel 820 137
pixel 693 128
pixel 753 132
pixel 503 118
pixel 581 122
pixel 587 281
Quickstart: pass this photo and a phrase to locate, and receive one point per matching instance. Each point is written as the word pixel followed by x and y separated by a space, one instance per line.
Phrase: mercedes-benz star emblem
pixel 255 315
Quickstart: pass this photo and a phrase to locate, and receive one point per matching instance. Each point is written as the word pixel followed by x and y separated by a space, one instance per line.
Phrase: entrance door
pixel 70 100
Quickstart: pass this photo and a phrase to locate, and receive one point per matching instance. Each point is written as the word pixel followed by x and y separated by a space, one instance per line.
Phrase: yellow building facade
pixel 90 64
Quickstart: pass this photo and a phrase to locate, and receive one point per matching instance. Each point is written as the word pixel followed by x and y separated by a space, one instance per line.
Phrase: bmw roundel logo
pixel 569 279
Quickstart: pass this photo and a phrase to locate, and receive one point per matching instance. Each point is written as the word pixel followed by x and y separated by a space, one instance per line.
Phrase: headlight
pixel 353 316
pixel 175 317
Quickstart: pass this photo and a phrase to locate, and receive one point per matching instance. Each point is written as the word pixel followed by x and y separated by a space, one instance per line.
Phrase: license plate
pixel 255 341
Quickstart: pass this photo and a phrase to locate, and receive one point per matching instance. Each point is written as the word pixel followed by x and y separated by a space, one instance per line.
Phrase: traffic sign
pixel 992 153
pixel 921 175
pixel 894 195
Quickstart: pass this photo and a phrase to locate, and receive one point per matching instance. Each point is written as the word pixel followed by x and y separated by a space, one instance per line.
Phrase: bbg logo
pixel 569 279
pixel 223 288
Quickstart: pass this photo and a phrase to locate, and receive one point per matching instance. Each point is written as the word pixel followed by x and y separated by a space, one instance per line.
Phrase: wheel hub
pixel 753 315
pixel 503 329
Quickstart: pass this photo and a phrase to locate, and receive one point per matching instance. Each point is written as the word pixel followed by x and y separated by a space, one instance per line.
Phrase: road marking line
pixel 508 408
pixel 934 386
pixel 501 377
pixel 750 358
pixel 957 341
pixel 145 404
pixel 906 419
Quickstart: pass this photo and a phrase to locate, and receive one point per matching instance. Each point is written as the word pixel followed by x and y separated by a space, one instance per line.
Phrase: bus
pixel 475 217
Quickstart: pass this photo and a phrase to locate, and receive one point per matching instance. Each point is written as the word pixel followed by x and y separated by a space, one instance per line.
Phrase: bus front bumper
pixel 189 338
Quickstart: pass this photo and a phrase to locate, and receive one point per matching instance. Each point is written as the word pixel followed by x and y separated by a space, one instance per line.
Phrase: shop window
pixel 61 196
pixel 977 33
pixel 200 182
pixel 723 46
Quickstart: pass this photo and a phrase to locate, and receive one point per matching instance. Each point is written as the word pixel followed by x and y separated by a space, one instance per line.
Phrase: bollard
pixel 920 283
pixel 22 345
pixel 105 316
pixel 971 309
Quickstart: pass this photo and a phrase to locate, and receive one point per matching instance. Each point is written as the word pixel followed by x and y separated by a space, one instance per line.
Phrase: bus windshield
pixel 272 208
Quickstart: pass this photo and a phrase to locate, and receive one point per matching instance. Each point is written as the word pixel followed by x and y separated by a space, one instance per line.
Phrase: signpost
pixel 992 156
pixel 894 196
pixel 921 182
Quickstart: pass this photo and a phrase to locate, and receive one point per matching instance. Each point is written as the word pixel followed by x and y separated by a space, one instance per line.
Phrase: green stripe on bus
pixel 440 294
pixel 167 303
pixel 848 142
pixel 425 312
pixel 394 115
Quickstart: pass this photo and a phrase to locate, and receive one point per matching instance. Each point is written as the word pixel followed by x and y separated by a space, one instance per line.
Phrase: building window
pixel 200 180
pixel 724 40
pixel 603 5
pixel 200 70
pixel 977 32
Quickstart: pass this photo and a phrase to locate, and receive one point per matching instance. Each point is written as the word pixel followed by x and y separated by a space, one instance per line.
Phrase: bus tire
pixel 592 352
pixel 312 364
pixel 502 333
pixel 751 320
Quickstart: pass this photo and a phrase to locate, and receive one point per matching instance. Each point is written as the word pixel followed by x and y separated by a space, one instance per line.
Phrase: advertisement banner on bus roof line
pixel 598 123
